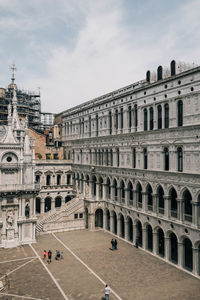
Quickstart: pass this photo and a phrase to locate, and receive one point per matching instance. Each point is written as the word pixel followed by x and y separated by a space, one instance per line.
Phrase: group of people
pixel 114 244
pixel 58 255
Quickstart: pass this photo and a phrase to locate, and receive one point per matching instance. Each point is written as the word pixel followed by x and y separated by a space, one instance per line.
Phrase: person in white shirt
pixel 107 292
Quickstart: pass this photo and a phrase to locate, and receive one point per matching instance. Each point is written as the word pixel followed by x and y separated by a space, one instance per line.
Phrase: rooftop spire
pixel 13 69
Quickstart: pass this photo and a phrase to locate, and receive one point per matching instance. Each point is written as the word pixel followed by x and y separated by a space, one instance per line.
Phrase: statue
pixel 27 210
pixel 10 218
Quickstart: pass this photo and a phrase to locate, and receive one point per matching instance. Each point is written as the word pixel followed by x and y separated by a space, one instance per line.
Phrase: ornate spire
pixel 15 117
pixel 13 68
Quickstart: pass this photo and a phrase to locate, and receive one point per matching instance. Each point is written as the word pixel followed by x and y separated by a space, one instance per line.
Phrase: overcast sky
pixel 75 50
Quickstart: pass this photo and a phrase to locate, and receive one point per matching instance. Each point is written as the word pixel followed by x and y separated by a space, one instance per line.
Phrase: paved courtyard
pixel 88 264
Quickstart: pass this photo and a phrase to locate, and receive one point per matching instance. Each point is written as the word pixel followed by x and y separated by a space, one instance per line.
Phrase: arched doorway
pixel 86 218
pixel 173 248
pixel 130 229
pixel 38 205
pixel 99 218
pixel 161 242
pixel 149 238
pixel 139 233
pixel 114 223
pixel 47 204
pixel 188 255
pixel 122 231
pixel 58 202
pixel 107 220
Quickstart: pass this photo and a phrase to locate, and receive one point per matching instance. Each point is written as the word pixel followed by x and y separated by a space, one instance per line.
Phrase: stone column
pixel 180 209
pixel 90 189
pixel 104 220
pixel 111 223
pixel 155 243
pixel 104 195
pixel 91 221
pixel 126 230
pixel 118 227
pixel 167 206
pixel 97 191
pixel 42 208
pixel 195 213
pixel 134 198
pixel 119 195
pixel 134 233
pixel 180 255
pixel 144 238
pixel 195 261
pixel 144 201
pixel 126 197
pixel 155 121
pixel 112 193
pixel 167 248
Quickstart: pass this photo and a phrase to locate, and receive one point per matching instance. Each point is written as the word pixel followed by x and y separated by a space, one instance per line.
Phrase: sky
pixel 75 50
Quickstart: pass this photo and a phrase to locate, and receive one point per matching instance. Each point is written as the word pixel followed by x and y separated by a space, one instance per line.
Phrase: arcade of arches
pixel 148 215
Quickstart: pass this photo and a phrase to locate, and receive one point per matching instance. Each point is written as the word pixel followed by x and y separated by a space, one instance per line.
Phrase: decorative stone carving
pixel 10 218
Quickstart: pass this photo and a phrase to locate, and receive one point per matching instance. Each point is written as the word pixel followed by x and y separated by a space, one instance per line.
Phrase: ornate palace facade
pixel 136 160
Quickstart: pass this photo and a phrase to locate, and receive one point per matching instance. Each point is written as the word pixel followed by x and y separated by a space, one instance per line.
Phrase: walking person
pixel 44 254
pixel 115 243
pixel 107 292
pixel 49 256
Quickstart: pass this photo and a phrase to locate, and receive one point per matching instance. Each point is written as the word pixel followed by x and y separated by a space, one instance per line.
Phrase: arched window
pixel 139 195
pixel 180 113
pixel 97 125
pixel 90 126
pixel 148 76
pixel 145 158
pixel 173 67
pixel 149 198
pixel 161 202
pixel 135 116
pixel 166 159
pixel 48 180
pixel 166 115
pixel 134 158
pixel 110 122
pixel 129 117
pixel 122 117
pixel 116 119
pixel 159 116
pixel 187 200
pixel 37 178
pixel 145 119
pixel 159 73
pixel 58 179
pixel 111 157
pixel 180 159
pixel 151 118
pixel 118 157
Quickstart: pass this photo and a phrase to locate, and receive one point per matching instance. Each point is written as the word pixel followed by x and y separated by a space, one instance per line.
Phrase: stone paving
pixel 132 273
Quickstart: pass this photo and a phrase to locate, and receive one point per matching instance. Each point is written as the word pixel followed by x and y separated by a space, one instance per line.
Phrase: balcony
pixel 188 218
pixel 19 187
pixel 150 207
pixel 57 187
pixel 161 210
pixel 174 214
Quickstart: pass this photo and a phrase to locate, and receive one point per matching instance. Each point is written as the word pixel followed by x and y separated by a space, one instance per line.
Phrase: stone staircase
pixel 67 208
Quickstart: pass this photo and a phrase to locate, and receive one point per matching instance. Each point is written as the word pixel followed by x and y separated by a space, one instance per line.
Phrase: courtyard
pixel 88 264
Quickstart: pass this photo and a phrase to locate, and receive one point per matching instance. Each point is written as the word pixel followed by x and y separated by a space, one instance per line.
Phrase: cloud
pixel 78 50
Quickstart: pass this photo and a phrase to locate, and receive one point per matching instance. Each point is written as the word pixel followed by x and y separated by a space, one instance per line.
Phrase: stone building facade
pixel 136 161
pixel 17 184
